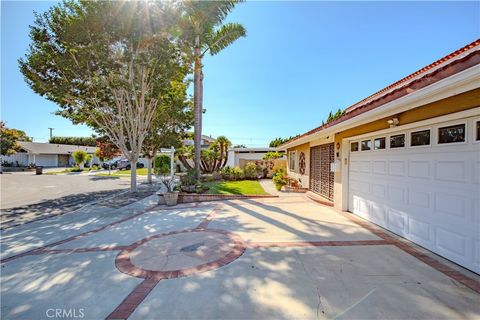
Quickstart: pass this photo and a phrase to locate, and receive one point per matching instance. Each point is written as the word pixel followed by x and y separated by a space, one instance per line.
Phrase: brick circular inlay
pixel 180 253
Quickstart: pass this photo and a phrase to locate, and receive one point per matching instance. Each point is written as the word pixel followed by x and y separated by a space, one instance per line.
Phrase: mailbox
pixel 335 166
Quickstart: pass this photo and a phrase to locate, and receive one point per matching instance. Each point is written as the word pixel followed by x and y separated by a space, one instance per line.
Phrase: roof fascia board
pixel 463 81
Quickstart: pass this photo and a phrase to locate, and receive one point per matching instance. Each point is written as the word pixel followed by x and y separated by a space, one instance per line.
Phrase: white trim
pixel 463 81
pixel 428 122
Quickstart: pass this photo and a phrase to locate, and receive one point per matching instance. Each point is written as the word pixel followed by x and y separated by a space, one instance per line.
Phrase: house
pixel 46 154
pixel 205 142
pixel 238 157
pixel 406 158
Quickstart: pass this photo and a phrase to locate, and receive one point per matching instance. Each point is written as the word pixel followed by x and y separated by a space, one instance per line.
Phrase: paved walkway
pixel 277 258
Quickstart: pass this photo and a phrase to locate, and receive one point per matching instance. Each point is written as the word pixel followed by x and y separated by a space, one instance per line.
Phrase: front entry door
pixel 321 178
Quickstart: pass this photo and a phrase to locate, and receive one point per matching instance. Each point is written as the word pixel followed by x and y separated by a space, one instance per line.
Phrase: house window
pixel 354 146
pixel 366 145
pixel 292 159
pixel 420 138
pixel 397 141
pixel 379 144
pixel 451 134
pixel 478 130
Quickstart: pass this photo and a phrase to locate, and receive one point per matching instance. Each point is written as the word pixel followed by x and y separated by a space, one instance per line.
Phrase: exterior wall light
pixel 393 122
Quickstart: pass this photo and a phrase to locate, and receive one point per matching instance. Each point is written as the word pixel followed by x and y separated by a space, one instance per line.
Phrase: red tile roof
pixel 410 83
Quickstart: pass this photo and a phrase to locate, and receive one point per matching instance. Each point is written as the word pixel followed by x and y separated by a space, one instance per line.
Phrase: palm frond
pixel 224 36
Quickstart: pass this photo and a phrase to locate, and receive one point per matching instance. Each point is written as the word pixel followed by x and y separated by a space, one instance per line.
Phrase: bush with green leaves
pixel 161 164
pixel 271 155
pixel 253 171
pixel 280 178
pixel 237 173
pixel 80 156
pixel 189 179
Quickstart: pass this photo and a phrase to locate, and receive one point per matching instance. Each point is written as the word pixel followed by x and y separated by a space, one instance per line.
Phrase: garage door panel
pixel 452 205
pixel 396 168
pixel 396 221
pixel 419 198
pixel 378 213
pixel 420 230
pixel 420 169
pixel 451 171
pixel 380 167
pixel 452 243
pixel 429 195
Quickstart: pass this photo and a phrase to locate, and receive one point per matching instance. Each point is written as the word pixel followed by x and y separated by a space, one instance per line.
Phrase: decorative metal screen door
pixel 321 178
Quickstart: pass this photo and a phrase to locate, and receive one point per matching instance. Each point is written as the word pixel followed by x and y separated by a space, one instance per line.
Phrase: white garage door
pixel 46 160
pixel 422 184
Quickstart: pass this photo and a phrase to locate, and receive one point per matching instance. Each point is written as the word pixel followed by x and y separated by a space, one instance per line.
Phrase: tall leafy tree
pixel 106 64
pixel 204 31
pixel 171 120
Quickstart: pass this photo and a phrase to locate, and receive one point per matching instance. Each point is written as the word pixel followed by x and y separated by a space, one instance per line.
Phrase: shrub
pixel 237 173
pixel 189 179
pixel 216 176
pixel 234 173
pixel 79 156
pixel 161 164
pixel 252 171
pixel 226 173
pixel 271 155
pixel 280 178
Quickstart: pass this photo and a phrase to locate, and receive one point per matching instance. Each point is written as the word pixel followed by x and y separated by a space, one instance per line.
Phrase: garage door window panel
pixel 451 134
pixel 420 138
pixel 366 145
pixel 397 141
pixel 477 131
pixel 379 143
pixel 354 146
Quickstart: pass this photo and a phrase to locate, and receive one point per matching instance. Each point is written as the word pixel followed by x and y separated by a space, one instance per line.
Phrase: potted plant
pixel 171 196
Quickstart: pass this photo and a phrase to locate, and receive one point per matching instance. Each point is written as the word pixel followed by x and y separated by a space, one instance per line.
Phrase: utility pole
pixel 51 132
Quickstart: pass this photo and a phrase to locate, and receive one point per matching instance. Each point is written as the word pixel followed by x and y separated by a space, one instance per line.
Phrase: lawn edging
pixel 194 197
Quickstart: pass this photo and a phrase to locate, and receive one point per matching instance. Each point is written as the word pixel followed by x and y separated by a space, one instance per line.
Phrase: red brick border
pixel 133 300
pixel 125 265
pixel 256 245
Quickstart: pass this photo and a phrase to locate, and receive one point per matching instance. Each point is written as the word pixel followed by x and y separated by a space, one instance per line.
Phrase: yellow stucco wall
pixel 303 178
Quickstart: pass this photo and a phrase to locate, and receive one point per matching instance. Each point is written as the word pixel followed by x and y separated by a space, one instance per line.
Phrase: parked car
pixel 125 164
pixel 112 163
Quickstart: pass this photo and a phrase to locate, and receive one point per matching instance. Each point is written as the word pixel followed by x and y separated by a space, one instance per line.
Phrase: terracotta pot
pixel 171 198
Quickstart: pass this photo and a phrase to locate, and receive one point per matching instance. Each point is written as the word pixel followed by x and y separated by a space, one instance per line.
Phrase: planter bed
pixel 295 189
pixel 192 197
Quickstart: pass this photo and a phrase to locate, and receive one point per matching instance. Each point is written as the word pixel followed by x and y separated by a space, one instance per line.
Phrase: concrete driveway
pixel 277 258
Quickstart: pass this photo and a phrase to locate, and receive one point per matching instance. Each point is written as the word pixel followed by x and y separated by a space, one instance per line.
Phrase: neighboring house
pixel 407 158
pixel 238 157
pixel 206 141
pixel 47 154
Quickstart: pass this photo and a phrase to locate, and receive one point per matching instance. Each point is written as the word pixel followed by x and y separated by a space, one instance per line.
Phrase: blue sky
pixel 299 61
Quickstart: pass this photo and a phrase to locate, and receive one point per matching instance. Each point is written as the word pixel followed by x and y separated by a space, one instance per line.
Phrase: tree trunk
pixel 197 106
pixel 109 169
pixel 149 169
pixel 133 176
pixel 225 160
pixel 185 163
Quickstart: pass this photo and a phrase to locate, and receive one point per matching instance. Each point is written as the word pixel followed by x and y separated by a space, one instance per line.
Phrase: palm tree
pixel 204 31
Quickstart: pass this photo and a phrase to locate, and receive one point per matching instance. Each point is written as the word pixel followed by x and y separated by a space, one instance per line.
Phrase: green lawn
pixel 140 172
pixel 235 187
